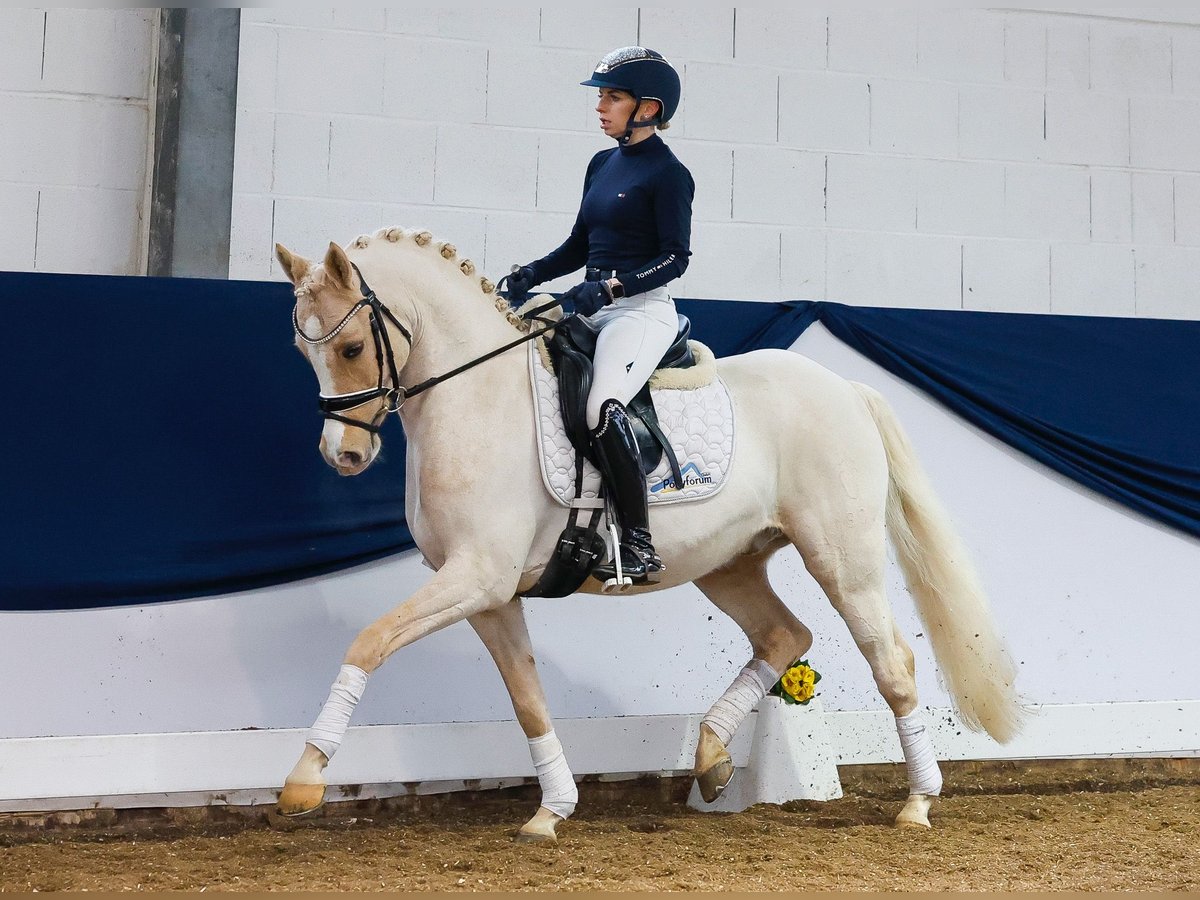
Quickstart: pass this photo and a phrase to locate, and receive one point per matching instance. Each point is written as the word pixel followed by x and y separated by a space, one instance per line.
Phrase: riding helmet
pixel 643 73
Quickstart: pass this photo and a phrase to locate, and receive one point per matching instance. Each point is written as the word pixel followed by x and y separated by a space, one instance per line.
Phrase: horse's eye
pixel 353 350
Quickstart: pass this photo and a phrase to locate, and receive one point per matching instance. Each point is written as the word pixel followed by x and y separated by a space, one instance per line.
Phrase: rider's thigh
pixel 629 347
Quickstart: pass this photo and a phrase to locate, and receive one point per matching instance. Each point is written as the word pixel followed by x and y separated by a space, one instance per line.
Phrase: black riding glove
pixel 587 297
pixel 520 283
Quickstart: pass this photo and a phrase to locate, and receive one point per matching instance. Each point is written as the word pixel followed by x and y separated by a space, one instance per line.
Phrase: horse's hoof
pixel 916 812
pixel 541 829
pixel 300 799
pixel 712 782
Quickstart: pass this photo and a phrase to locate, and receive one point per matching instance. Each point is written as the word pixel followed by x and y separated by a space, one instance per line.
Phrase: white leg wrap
pixel 559 793
pixel 326 733
pixel 735 704
pixel 924 776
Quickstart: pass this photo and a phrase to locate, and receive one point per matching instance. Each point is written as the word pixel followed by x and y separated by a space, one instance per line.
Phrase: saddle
pixel 572 351
pixel 580 547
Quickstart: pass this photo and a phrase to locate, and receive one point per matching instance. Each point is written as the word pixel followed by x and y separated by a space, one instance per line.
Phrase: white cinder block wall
pixel 74 133
pixel 980 159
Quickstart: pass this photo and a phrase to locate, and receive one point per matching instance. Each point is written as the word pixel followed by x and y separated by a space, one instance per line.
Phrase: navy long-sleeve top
pixel 635 218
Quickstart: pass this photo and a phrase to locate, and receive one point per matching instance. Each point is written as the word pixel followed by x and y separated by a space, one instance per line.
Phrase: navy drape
pixel 160 437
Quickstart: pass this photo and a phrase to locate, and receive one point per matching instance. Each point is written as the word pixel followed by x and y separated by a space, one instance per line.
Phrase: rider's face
pixel 615 107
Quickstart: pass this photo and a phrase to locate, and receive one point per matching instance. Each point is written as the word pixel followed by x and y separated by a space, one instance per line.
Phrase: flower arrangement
pixel 798 683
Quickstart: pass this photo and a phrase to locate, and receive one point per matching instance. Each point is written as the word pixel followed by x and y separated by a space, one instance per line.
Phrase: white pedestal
pixel 791 758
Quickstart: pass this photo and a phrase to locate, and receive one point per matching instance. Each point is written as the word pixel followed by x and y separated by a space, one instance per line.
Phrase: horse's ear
pixel 338 267
pixel 294 267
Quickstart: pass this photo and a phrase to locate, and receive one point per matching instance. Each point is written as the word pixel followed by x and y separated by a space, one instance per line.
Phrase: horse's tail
pixel 950 600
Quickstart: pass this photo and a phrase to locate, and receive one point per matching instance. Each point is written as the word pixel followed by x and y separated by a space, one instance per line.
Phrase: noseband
pixel 332 405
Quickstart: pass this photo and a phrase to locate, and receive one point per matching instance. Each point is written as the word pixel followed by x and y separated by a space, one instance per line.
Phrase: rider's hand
pixel 587 297
pixel 520 282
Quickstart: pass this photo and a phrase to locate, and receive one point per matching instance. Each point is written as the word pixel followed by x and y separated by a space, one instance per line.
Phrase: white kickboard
pixel 791 758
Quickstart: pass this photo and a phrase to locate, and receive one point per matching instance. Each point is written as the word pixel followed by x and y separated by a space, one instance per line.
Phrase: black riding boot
pixel 615 452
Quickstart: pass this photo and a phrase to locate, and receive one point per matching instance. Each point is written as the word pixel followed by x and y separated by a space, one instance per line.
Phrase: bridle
pixel 333 405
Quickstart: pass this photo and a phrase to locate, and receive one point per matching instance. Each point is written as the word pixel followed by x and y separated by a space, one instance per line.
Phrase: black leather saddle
pixel 572 349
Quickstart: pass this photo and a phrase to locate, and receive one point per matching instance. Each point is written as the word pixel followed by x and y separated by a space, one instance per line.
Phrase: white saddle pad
pixel 698 422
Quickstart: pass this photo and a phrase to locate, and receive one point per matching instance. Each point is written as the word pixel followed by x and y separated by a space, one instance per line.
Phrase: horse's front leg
pixel 506 637
pixel 465 586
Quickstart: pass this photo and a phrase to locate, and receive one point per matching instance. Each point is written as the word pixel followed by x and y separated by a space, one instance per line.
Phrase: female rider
pixel 633 233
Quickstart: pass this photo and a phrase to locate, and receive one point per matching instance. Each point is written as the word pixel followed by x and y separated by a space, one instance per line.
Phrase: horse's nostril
pixel 349 458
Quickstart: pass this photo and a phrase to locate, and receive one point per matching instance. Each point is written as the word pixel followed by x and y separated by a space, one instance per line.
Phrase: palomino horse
pixel 822 464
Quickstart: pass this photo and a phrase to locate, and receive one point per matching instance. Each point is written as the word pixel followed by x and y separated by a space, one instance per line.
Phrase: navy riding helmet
pixel 643 73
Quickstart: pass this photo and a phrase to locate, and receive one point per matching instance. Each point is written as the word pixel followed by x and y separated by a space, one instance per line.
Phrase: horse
pixel 822 464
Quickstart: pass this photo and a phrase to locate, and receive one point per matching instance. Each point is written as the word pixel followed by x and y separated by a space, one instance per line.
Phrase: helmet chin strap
pixel 631 124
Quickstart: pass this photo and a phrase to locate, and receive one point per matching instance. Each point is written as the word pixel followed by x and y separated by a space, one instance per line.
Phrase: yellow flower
pixel 799 682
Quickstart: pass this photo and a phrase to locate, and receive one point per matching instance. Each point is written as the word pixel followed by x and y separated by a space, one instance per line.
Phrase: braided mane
pixel 449 253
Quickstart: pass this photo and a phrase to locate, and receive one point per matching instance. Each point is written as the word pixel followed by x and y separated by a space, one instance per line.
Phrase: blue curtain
pixel 161 433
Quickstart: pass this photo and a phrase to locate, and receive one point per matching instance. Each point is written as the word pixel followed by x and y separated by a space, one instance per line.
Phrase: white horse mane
pixel 446 251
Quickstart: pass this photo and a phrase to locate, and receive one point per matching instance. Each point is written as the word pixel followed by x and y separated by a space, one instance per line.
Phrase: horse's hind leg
pixel 504 633
pixel 849 566
pixel 741 590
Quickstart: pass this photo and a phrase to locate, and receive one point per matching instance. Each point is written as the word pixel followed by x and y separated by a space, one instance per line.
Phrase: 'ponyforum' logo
pixel 692 477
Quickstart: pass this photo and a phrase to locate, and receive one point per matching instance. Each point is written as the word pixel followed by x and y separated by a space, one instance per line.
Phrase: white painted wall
pixel 74 136
pixel 1030 161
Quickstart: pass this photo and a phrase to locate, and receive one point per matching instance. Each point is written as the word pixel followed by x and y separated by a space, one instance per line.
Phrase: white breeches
pixel 635 332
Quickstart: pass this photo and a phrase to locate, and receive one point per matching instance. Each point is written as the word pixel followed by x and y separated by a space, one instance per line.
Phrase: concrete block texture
pixel 1167 285
pixel 914 117
pixel 711 166
pixel 1185 57
pixel 733 262
pixel 1091 279
pixel 562 161
pixel 482 167
pixel 1091 128
pixel 384 160
pixel 961 45
pixel 301 152
pixel 784 37
pixel 802 261
pixel 258 65
pixel 1165 133
pixel 732 103
pixel 103 52
pixel 879 42
pixel 872 268
pixel 251 238
pixel 596 29
pixel 516 238
pixel 1001 123
pixel 1112 206
pixel 877 193
pixel 1048 203
pixel 778 185
pixel 73 142
pixel 110 219
pixel 535 87
pixel 1130 57
pixel 1153 208
pixel 956 197
pixel 824 111
pixel 308 60
pixel 1187 209
pixel 495 26
pixel 306 225
pixel 435 80
pixel 1068 54
pixel 1006 276
pixel 21 32
pixel 683 33
pixel 253 152
pixel 18 226
pixel 1025 51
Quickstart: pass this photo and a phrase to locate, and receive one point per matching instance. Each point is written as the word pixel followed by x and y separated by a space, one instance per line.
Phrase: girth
pixel 572 351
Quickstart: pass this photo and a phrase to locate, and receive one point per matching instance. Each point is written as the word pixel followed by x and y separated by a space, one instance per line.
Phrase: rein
pixel 395 396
